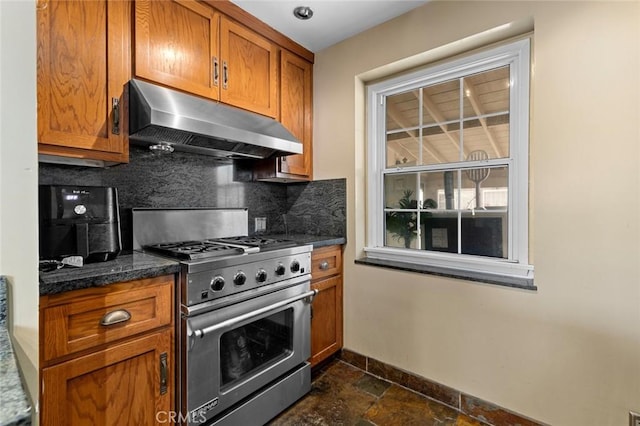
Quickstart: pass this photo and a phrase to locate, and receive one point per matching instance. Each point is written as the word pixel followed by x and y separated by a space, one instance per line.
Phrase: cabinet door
pixel 125 384
pixel 83 65
pixel 176 44
pixel 249 69
pixel 326 324
pixel 296 110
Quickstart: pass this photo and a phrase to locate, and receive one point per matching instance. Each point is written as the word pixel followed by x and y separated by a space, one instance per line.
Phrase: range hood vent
pixel 158 115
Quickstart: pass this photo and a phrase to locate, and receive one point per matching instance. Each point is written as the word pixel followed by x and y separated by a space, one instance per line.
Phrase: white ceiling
pixel 332 21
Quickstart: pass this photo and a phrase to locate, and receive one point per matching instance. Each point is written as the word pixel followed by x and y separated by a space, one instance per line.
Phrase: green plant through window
pixel 403 225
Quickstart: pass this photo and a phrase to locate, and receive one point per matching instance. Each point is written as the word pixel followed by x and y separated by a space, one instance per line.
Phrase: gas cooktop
pixel 212 248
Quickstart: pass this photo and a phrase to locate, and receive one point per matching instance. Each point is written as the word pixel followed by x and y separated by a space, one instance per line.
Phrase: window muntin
pixel 449 163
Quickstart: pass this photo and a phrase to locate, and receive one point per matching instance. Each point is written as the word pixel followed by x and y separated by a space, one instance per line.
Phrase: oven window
pixel 254 346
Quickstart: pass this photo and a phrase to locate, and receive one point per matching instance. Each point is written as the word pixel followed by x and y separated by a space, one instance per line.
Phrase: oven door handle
pixel 309 295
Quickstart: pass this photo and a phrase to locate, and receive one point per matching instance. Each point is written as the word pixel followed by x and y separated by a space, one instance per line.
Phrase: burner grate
pixel 190 250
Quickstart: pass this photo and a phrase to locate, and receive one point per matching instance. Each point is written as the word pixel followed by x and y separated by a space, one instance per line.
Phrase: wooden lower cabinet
pixel 107 354
pixel 120 385
pixel 326 322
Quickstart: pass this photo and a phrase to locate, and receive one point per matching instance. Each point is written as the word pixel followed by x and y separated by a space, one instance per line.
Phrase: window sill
pixel 525 283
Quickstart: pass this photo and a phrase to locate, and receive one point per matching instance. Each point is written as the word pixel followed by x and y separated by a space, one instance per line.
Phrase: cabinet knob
pixel 115 317
pixel 324 265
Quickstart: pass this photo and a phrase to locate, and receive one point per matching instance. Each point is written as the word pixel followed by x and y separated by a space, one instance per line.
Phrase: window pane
pixel 489 134
pixel 486 92
pixel 401 225
pixel 485 188
pixel 440 232
pixel 438 190
pixel 400 191
pixel 402 111
pixel 403 122
pixel 484 234
pixel 401 229
pixel 441 145
pixel 402 149
pixel 484 229
pixel 441 102
pixel 486 112
pixel 440 121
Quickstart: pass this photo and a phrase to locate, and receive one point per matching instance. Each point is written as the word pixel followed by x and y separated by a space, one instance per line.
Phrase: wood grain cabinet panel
pixel 76 324
pixel 120 385
pixel 249 69
pixel 108 374
pixel 189 46
pixel 326 323
pixel 326 261
pixel 296 114
pixel 177 44
pixel 83 65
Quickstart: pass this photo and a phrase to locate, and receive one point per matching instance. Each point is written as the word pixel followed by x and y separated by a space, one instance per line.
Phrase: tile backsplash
pixel 188 180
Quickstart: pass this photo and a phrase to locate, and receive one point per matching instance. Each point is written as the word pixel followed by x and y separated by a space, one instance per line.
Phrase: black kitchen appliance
pixel 79 221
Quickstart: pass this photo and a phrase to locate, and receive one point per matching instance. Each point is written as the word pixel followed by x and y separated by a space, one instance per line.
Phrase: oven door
pixel 236 350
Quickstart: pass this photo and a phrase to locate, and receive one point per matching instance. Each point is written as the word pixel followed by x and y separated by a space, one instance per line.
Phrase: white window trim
pixel 516 54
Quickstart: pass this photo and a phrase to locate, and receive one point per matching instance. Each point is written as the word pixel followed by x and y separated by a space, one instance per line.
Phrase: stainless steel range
pixel 244 333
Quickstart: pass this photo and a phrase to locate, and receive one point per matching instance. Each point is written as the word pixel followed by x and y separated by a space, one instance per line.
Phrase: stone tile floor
pixel 345 395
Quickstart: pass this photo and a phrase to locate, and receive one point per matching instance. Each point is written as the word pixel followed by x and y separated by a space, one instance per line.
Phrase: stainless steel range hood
pixel 160 116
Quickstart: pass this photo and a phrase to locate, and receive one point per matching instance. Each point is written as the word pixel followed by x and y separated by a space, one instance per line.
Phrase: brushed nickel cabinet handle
pixel 225 74
pixel 324 265
pixel 115 107
pixel 215 71
pixel 115 317
pixel 164 373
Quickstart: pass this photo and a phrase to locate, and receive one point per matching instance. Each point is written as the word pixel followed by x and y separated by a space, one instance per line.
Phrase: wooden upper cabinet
pixel 249 69
pixel 84 63
pixel 189 46
pixel 176 44
pixel 296 114
pixel 296 111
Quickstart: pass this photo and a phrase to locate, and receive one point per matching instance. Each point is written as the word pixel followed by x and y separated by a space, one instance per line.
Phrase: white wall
pixel 568 354
pixel 19 178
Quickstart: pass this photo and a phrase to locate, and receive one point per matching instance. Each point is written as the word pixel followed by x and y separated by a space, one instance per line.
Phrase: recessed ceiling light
pixel 303 12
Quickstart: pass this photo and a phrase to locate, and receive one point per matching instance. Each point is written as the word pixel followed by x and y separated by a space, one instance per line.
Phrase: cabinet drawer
pixel 326 261
pixel 84 319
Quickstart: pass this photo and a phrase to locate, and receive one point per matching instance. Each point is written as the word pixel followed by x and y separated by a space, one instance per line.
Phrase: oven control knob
pixel 217 283
pixel 261 276
pixel 240 278
pixel 280 269
pixel 295 266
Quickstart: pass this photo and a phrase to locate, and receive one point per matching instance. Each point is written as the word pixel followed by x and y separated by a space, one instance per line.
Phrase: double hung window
pixel 448 164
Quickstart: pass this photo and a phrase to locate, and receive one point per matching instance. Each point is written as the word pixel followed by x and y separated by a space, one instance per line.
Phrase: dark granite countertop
pixel 15 408
pixel 140 265
pixel 316 241
pixel 123 268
